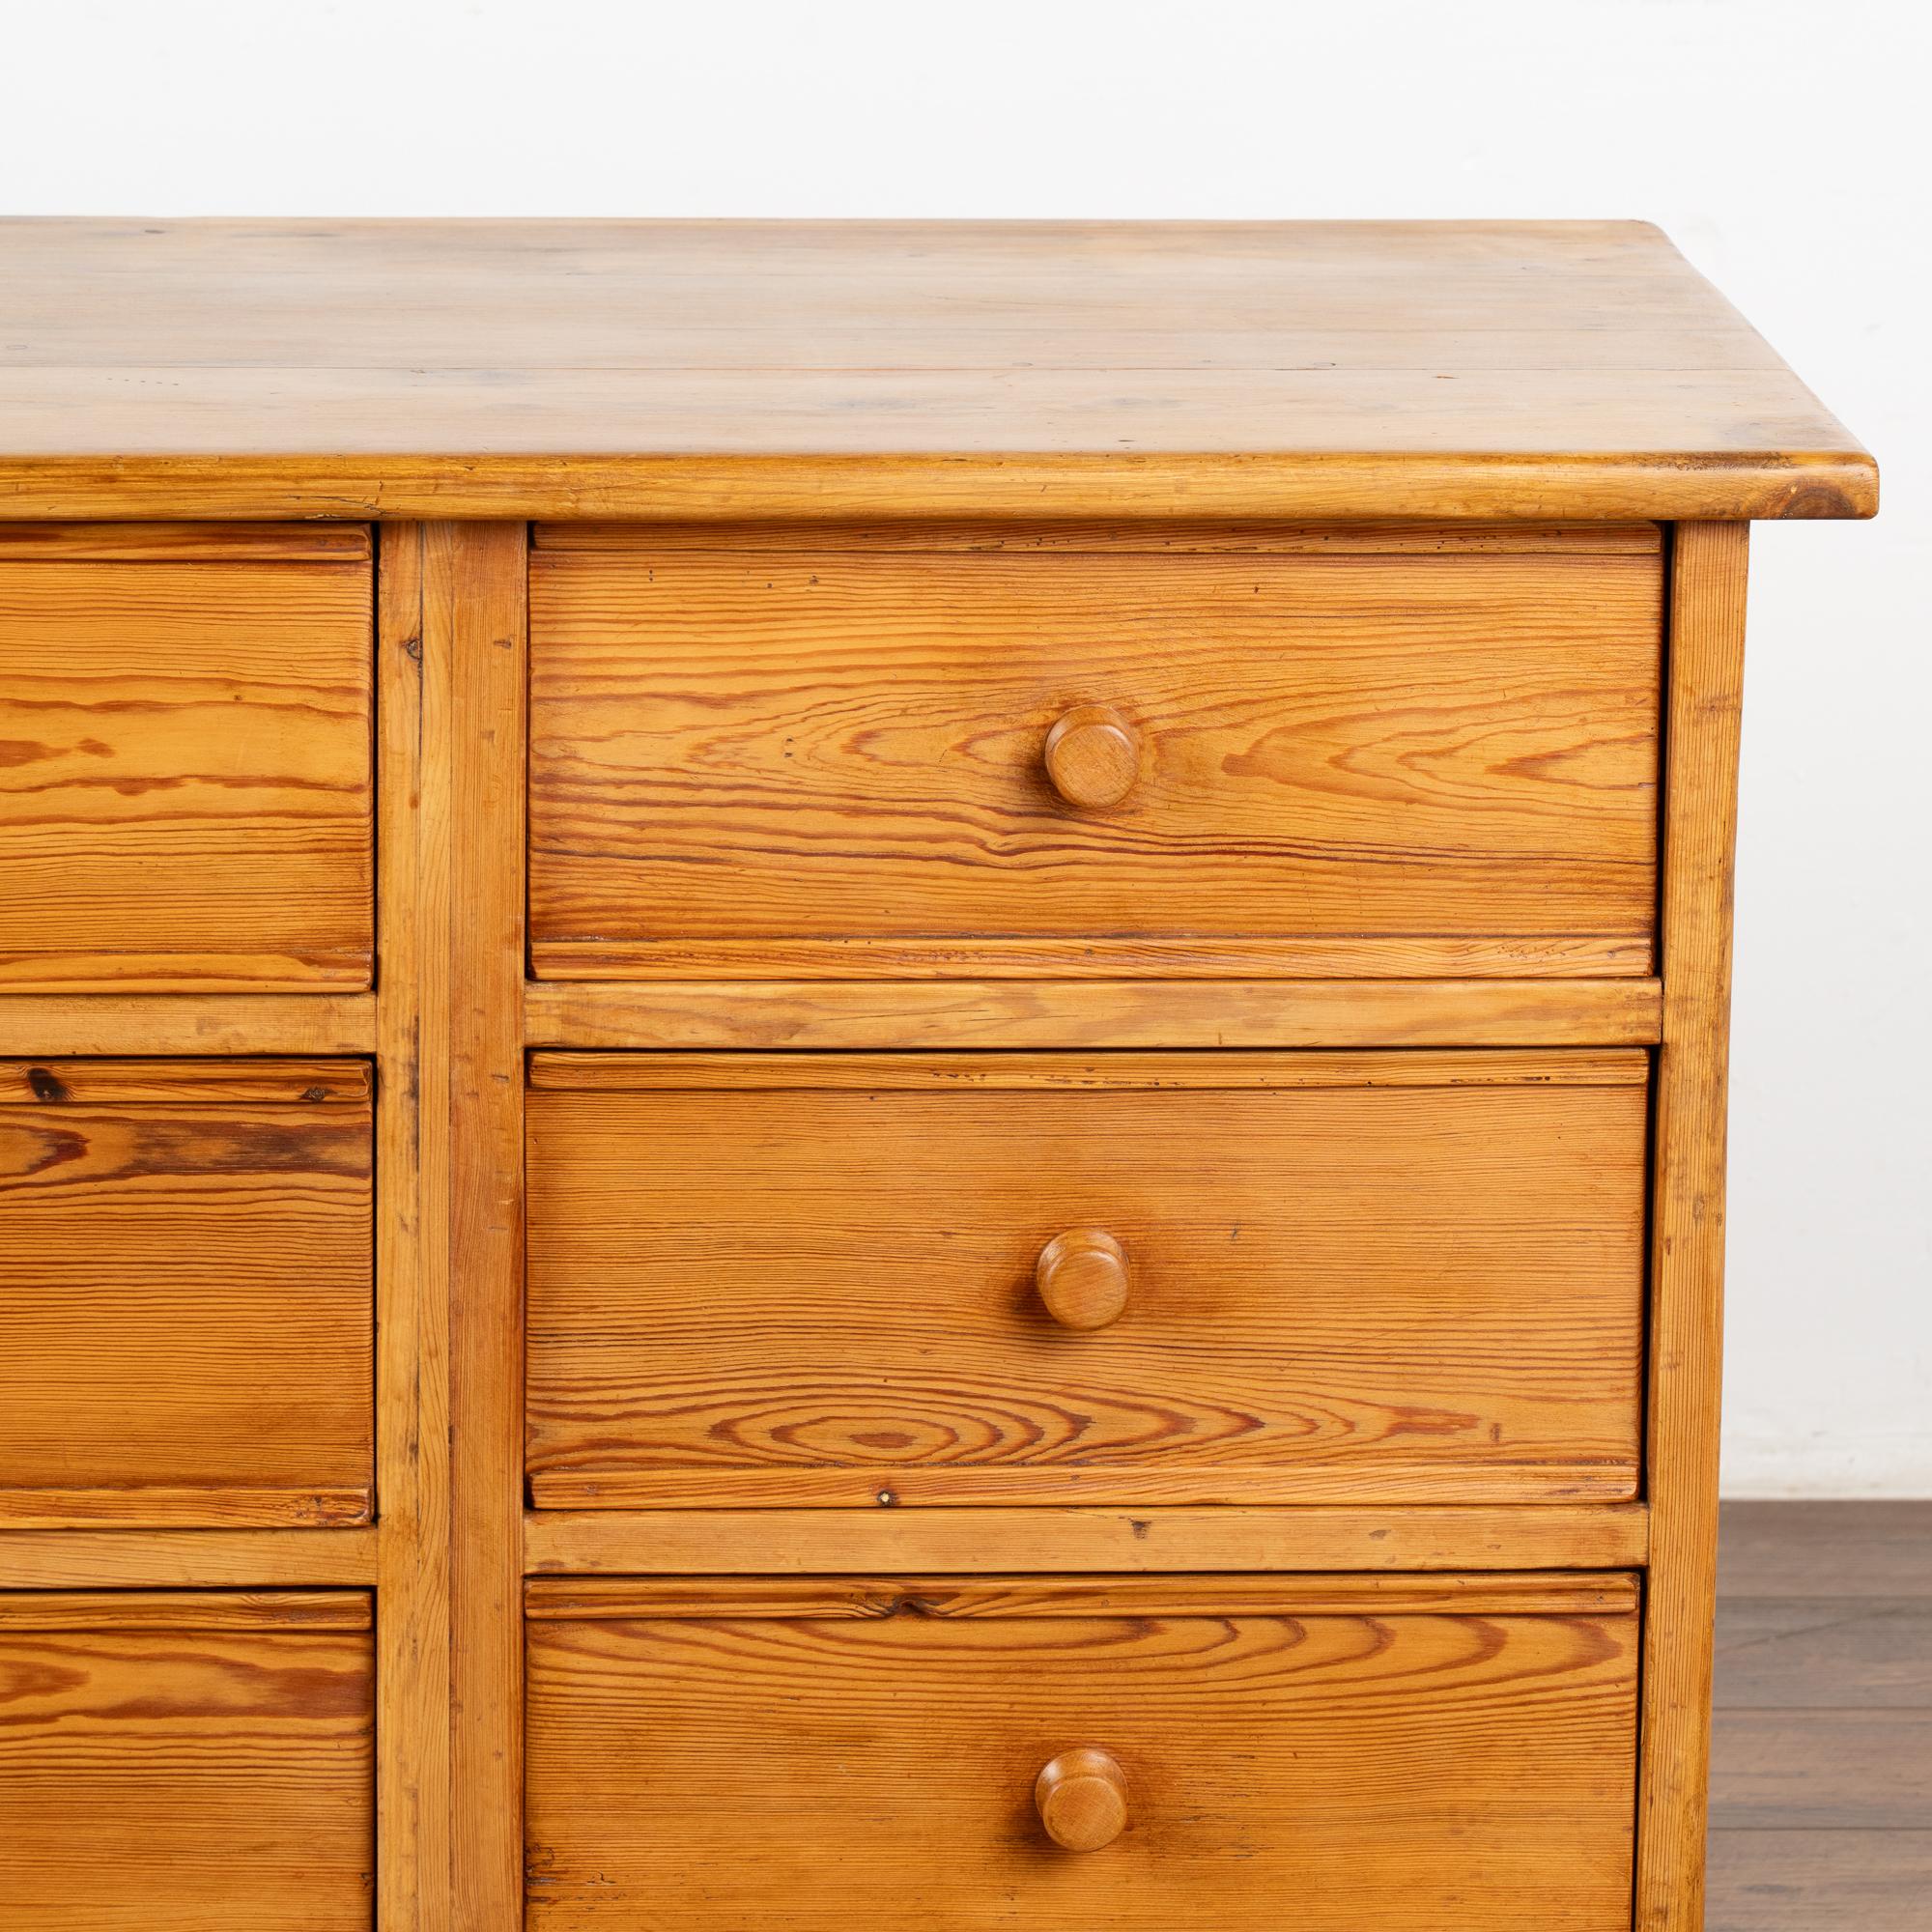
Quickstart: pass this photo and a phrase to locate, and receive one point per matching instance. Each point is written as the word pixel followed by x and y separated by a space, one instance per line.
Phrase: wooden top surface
pixel 633 369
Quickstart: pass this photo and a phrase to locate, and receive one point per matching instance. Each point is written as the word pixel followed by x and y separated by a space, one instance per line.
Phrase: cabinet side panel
pixel 1705 685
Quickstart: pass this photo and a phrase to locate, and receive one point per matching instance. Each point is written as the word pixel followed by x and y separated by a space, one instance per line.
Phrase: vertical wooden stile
pixel 474 610
pixel 1705 688
pixel 412 1247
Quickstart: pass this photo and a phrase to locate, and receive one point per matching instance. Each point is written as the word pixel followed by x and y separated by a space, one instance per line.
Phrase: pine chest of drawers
pixel 867 1074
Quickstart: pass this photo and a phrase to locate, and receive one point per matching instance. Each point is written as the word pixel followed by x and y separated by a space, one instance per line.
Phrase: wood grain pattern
pixel 204 1559
pixel 1707 633
pixel 1822 1653
pixel 1826 1547
pixel 186 1292
pixel 625 1598
pixel 964 486
pixel 185 791
pixel 413 1674
pixel 1072 1072
pixel 798 1279
pixel 817 1772
pixel 198 1766
pixel 625 369
pixel 1859 1770
pixel 51 1612
pixel 474 610
pixel 1821 1761
pixel 941 1013
pixel 1851 1880
pixel 1092 756
pixel 1354 529
pixel 1083 1278
pixel 1371 536
pixel 202 543
pixel 1440 1536
pixel 74 1025
pixel 266 1081
pixel 831 764
pixel 1082 1799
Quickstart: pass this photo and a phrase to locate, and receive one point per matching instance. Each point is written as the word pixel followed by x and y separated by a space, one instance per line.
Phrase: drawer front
pixel 1322 1754
pixel 186 1292
pixel 1359 753
pixel 188 1761
pixel 186 794
pixel 832 1279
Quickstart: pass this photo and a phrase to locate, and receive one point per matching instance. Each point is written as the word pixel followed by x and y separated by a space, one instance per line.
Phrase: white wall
pixel 1783 143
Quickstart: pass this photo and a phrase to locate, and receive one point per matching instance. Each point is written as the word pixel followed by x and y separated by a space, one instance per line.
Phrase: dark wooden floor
pixel 1821 1775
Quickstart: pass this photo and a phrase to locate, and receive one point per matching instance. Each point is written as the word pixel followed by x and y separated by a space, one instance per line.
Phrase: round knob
pixel 1092 756
pixel 1082 1277
pixel 1082 1800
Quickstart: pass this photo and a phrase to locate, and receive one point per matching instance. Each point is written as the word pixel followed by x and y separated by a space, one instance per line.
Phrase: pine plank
pixel 820 1016
pixel 620 369
pixel 811 1280
pixel 1706 677
pixel 884 1766
pixel 889 1541
pixel 110 1025
pixel 831 765
pixel 186 1292
pixel 188 1767
pixel 185 789
pixel 474 610
pixel 200 1560
pixel 412 1658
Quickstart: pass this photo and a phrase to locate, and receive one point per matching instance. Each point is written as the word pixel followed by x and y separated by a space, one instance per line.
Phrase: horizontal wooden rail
pixel 763 1016
pixel 841 1541
pixel 54 1024
pixel 85 1559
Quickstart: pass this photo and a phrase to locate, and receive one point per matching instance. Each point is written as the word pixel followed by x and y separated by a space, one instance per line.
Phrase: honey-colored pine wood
pixel 202 543
pixel 868 1769
pixel 268 1081
pixel 1707 633
pixel 1036 369
pixel 843 764
pixel 188 1764
pixel 475 613
pixel 51 1612
pixel 815 1279
pixel 1072 1072
pixel 890 1540
pixel 412 1676
pixel 964 486
pixel 185 784
pixel 1144 535
pixel 1482 1594
pixel 1081 1797
pixel 185 1314
pixel 1083 1278
pixel 1092 756
pixel 202 1559
pixel 78 1025
pixel 942 1013
pixel 861 526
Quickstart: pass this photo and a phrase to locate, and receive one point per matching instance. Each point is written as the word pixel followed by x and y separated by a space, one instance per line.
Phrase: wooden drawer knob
pixel 1082 1798
pixel 1092 756
pixel 1082 1277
